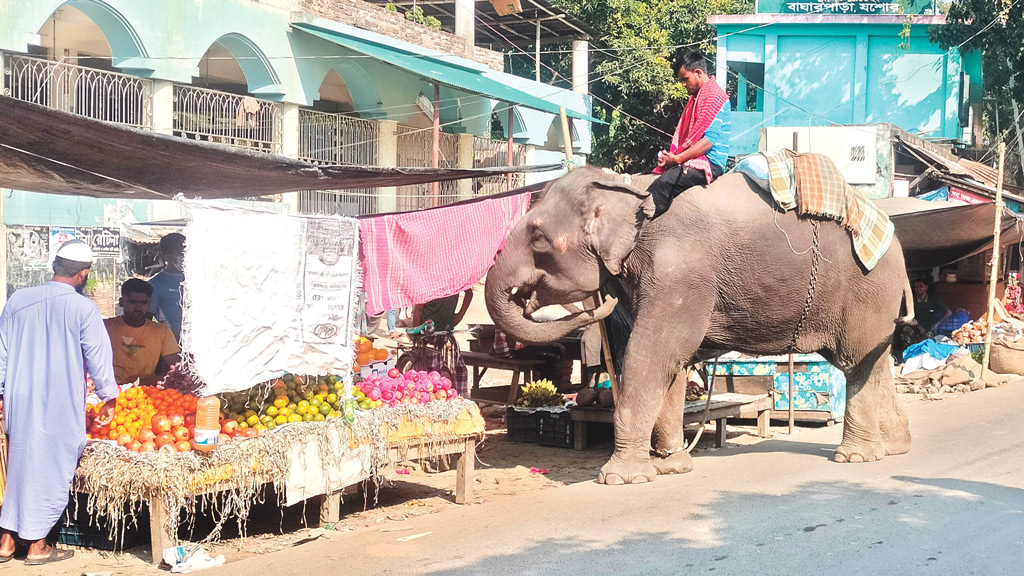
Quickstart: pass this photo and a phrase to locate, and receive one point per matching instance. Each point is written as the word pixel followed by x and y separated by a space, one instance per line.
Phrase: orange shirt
pixel 137 351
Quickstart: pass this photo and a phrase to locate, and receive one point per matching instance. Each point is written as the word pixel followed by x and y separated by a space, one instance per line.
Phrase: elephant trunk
pixel 510 301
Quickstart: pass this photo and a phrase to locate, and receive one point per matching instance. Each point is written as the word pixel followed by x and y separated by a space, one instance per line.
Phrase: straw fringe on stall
pixel 228 480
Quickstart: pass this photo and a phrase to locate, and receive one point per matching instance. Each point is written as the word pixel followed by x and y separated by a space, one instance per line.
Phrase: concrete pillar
pixel 771 60
pixel 290 130
pixel 860 80
pixel 465 160
pixel 722 63
pixel 465 23
pixel 163 107
pixel 387 156
pixel 581 66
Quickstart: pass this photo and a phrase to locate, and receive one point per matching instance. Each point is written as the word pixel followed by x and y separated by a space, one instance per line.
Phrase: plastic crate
pixel 555 429
pixel 975 347
pixel 77 531
pixel 522 425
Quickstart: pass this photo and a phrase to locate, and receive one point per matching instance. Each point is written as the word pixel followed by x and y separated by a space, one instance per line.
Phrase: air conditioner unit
pixel 507 7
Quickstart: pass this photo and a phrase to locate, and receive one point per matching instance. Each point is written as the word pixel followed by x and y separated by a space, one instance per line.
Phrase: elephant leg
pixel 893 420
pixel 652 360
pixel 669 455
pixel 874 425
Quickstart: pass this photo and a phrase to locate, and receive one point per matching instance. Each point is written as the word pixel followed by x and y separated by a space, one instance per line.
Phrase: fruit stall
pixel 216 431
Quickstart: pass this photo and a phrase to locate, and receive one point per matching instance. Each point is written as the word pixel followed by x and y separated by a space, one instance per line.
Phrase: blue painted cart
pixel 819 389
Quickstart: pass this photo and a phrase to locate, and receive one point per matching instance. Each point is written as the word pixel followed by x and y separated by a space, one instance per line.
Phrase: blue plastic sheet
pixel 929 347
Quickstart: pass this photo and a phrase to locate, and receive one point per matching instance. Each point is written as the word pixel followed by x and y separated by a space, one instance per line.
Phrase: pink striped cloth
pixel 415 257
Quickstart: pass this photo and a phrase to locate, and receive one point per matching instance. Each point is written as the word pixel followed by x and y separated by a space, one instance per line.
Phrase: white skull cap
pixel 76 251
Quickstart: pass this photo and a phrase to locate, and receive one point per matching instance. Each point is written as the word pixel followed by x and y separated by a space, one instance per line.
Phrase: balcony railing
pixel 415 149
pixel 337 139
pixel 213 116
pixel 98 94
pixel 489 153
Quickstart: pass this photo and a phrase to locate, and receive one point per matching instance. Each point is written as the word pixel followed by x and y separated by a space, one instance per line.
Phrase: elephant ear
pixel 617 214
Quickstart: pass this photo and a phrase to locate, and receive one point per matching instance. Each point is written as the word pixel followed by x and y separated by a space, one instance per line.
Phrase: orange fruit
pixel 380 354
pixel 164 439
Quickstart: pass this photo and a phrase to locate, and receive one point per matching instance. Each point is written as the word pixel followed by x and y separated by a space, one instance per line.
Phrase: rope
pixel 707 406
pixel 812 285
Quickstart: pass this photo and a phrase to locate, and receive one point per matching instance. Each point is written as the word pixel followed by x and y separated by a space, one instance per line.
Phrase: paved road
pixel 953 506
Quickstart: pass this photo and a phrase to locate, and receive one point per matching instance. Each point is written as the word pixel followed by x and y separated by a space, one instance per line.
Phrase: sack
pixel 755 167
pixel 1007 356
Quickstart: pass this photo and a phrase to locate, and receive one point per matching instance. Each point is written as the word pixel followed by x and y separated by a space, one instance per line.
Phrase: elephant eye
pixel 539 240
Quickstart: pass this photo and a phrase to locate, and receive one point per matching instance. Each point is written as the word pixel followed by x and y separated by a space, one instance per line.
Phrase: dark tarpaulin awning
pixel 45 150
pixel 934 234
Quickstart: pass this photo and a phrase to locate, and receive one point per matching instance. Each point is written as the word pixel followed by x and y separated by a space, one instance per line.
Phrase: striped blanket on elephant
pixel 813 186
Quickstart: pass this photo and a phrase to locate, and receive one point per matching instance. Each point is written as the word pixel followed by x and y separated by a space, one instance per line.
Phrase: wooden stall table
pixel 723 407
pixel 481 361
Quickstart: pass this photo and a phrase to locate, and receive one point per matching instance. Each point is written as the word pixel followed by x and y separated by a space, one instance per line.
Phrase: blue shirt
pixel 166 301
pixel 718 135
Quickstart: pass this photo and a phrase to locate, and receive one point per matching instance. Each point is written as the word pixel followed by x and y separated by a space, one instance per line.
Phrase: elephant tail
pixel 908 301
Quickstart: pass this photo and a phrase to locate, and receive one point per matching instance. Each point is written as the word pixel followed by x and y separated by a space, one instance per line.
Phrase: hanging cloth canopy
pixel 46 150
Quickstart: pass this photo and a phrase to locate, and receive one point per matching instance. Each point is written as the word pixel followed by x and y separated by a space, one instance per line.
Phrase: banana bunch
pixel 540 393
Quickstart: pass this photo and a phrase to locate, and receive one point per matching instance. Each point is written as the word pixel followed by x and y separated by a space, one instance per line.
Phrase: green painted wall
pixel 822 73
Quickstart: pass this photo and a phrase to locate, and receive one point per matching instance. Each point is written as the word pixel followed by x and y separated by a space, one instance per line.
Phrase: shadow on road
pixel 903 525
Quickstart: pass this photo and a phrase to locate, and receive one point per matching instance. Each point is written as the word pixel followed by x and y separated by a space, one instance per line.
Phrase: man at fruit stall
pixel 700 145
pixel 166 301
pixel 51 336
pixel 143 349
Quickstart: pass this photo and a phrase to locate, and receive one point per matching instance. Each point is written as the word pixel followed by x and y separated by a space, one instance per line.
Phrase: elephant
pixel 722 269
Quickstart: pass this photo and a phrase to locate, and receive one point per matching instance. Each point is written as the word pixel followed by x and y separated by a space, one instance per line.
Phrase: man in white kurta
pixel 51 336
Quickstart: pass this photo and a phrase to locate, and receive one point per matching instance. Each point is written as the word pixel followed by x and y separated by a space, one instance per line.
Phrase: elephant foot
pixel 896 434
pixel 632 471
pixel 676 463
pixel 859 453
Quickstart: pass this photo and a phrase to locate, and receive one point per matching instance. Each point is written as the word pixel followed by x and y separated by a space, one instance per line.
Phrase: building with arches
pixel 188 68
pixel 252 75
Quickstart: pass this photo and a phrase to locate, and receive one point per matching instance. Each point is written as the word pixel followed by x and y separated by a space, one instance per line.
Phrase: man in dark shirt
pixel 929 311
pixel 442 311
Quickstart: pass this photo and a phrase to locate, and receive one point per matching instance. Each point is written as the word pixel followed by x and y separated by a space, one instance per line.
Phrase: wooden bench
pixel 481 361
pixel 723 407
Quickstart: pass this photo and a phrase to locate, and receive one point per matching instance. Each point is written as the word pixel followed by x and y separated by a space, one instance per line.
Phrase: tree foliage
pixel 996 27
pixel 631 70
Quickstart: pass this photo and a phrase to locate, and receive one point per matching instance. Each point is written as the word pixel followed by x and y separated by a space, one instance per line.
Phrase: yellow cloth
pixel 137 351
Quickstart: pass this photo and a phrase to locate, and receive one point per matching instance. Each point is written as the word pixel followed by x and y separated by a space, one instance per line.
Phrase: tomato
pixel 180 433
pixel 190 420
pixel 164 439
pixel 250 433
pixel 229 427
pixel 160 424
pixel 146 435
pixel 147 447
